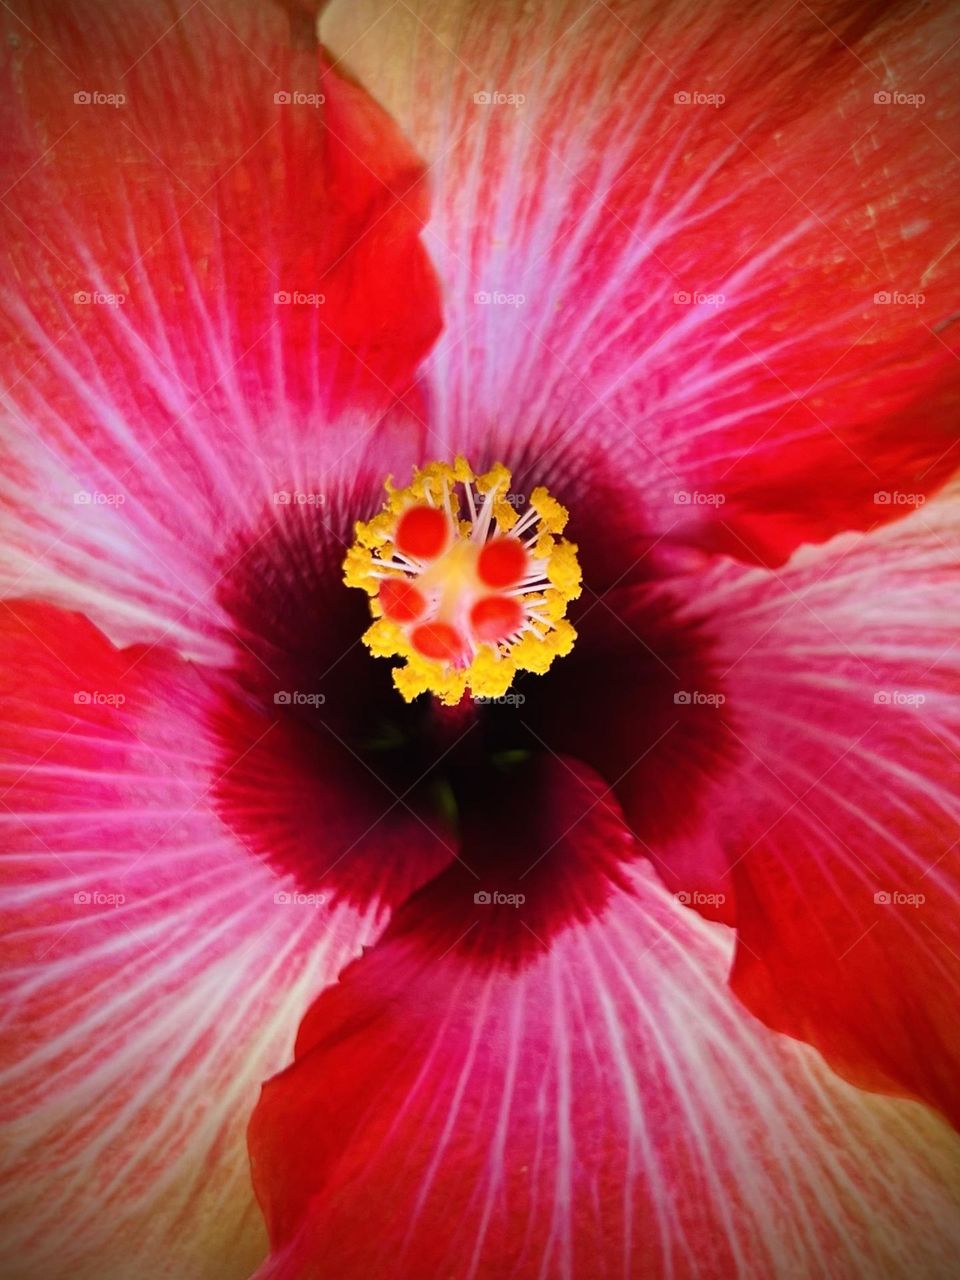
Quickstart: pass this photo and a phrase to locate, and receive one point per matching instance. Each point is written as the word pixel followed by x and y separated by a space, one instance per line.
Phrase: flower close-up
pixel 480 629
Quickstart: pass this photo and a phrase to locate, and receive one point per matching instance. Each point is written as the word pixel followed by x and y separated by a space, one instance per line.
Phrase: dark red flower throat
pixel 534 797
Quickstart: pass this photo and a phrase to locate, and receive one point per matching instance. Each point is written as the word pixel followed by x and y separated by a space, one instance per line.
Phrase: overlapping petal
pixel 600 1106
pixel 716 243
pixel 557 1081
pixel 811 388
pixel 213 238
pixel 213 241
pixel 840 823
pixel 154 970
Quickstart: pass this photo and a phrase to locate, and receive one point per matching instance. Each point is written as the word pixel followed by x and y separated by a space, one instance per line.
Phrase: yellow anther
pixel 457 599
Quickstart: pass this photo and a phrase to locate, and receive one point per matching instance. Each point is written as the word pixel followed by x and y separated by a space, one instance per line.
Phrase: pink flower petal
pixel 154 970
pixel 214 244
pixel 748 302
pixel 842 676
pixel 470 1102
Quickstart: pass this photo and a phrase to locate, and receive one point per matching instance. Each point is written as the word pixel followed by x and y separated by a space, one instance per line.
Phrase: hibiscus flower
pixel 581 891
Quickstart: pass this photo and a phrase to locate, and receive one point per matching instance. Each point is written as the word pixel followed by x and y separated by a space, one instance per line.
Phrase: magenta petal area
pixel 718 242
pixel 153 971
pixel 605 1108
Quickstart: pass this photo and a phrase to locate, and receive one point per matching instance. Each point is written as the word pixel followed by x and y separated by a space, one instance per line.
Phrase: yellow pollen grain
pixel 552 515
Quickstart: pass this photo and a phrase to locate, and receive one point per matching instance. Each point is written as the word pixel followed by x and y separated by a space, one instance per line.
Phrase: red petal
pixel 755 422
pixel 203 203
pixel 154 970
pixel 843 684
pixel 478 1099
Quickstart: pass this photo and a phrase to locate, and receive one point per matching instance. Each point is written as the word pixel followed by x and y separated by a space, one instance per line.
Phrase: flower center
pixel 463 588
